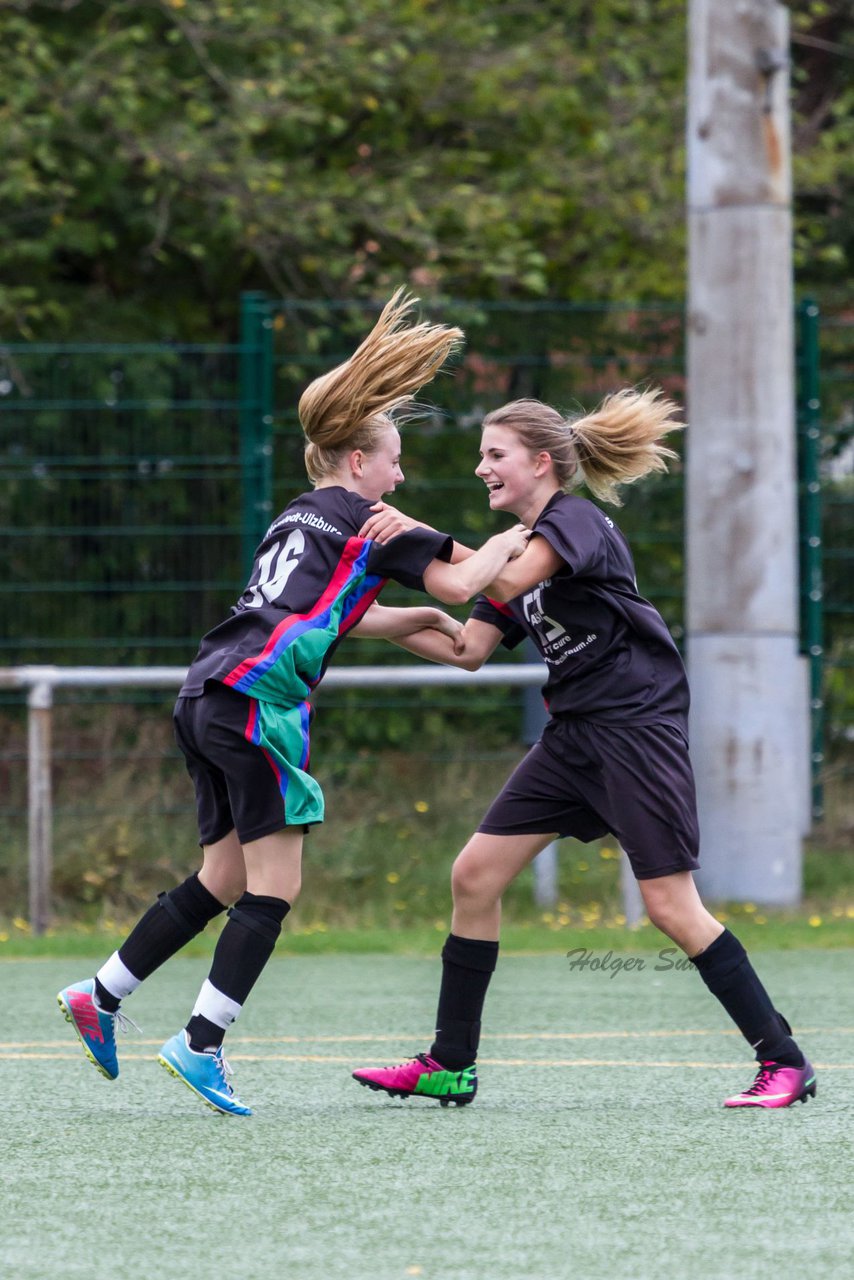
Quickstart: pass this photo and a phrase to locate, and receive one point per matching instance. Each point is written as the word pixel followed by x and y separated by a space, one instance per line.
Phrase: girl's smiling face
pixel 511 473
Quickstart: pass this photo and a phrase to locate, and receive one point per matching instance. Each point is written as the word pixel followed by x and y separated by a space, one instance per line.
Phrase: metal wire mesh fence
pixel 836 482
pixel 136 480
pixel 120 471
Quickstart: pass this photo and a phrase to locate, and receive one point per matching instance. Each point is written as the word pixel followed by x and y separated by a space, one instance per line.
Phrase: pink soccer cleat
pixel 777 1086
pixel 423 1076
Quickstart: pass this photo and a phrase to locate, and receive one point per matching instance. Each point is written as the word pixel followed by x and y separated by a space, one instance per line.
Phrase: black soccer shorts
pixel 587 779
pixel 248 761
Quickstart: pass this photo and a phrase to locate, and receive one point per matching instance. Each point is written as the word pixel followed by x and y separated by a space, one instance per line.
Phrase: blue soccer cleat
pixel 204 1073
pixel 95 1027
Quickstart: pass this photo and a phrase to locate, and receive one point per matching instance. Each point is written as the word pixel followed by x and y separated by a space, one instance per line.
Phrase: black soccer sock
pixel 168 925
pixel 244 947
pixel 105 999
pixel 727 972
pixel 467 966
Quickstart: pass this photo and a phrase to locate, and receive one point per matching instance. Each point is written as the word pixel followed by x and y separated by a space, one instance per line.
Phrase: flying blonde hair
pixel 348 407
pixel 616 444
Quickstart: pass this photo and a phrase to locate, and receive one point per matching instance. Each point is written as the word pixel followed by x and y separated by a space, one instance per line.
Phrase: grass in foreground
pixel 783 932
pixel 597 1145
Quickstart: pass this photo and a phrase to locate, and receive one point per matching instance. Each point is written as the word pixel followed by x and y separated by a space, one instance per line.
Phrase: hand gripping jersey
pixel 312 579
pixel 609 653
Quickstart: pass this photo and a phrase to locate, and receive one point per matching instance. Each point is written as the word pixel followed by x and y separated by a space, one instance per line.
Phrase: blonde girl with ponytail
pixel 613 757
pixel 350 406
pixel 616 444
pixel 243 714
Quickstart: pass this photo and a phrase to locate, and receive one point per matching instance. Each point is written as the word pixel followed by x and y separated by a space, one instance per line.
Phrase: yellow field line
pixel 404 1038
pixel 490 1062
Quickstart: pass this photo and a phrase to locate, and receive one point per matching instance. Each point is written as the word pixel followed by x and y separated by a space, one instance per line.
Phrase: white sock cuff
pixel 216 1007
pixel 117 977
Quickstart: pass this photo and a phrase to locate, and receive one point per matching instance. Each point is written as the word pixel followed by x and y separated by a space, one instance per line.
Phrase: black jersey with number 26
pixel 609 653
pixel 312 580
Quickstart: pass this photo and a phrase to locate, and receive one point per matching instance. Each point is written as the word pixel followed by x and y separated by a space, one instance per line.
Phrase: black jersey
pixel 609 653
pixel 312 580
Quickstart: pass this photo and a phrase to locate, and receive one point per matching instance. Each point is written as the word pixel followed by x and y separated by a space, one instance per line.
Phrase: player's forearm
pixel 461 552
pixel 382 622
pixel 435 646
pixel 457 583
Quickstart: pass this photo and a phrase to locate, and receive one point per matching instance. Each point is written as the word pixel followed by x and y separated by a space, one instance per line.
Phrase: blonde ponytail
pixel 345 407
pixel 620 442
pixel 616 444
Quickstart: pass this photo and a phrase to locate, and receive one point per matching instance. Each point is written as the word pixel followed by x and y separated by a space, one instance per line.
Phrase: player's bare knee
pixel 226 887
pixel 285 887
pixel 231 891
pixel 661 912
pixel 471 882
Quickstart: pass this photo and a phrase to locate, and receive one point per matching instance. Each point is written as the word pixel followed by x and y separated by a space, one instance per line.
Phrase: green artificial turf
pixel 597 1145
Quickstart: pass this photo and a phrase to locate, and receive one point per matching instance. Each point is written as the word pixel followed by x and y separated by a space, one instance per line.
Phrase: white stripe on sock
pixel 215 1006
pixel 117 977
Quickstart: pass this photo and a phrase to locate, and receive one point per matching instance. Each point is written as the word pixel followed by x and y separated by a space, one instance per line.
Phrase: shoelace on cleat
pixel 419 1057
pixel 765 1076
pixel 124 1023
pixel 226 1070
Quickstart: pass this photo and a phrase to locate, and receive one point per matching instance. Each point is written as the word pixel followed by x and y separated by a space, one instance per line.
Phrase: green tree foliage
pixel 823 146
pixel 160 157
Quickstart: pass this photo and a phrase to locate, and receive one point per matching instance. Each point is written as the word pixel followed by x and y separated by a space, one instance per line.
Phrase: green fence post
pixel 812 591
pixel 255 422
pixel 265 442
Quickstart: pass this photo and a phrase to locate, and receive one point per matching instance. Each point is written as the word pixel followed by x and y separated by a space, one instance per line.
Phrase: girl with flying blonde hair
pixel 613 756
pixel 242 716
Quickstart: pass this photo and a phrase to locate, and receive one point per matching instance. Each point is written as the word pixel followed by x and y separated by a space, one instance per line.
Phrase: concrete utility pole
pixel 749 696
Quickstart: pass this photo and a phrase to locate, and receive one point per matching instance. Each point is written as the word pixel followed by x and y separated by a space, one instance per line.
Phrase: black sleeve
pixel 499 615
pixel 575 532
pixel 406 557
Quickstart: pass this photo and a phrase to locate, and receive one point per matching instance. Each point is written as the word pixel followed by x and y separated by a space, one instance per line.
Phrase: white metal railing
pixel 41 681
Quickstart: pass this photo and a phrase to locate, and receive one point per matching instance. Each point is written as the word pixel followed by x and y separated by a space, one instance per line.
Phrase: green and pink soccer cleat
pixel 422 1077
pixel 777 1086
